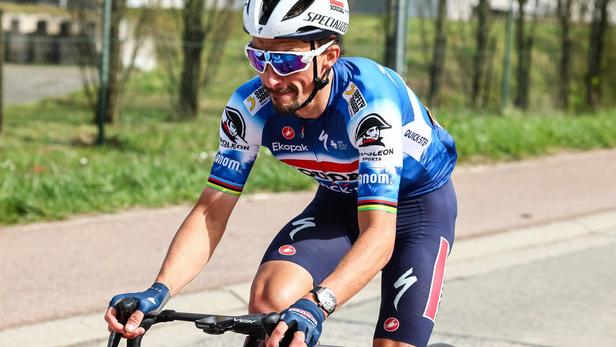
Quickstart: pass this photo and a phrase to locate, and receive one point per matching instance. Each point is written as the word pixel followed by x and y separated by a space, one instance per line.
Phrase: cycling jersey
pixel 375 139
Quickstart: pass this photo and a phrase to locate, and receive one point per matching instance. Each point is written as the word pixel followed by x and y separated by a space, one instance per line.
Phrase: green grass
pixel 50 170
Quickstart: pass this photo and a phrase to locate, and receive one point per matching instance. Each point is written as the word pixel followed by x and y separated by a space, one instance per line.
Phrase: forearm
pixel 194 243
pixel 364 260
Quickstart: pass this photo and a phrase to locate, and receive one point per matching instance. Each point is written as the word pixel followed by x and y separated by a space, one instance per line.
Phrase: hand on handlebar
pixel 150 302
pixel 306 318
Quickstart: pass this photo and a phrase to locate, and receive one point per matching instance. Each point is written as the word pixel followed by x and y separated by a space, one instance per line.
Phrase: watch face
pixel 327 299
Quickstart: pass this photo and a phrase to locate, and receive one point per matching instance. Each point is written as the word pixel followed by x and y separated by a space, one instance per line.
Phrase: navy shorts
pixel 412 280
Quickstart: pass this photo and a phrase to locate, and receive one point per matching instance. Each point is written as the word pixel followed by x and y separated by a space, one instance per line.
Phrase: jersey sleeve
pixel 376 132
pixel 240 139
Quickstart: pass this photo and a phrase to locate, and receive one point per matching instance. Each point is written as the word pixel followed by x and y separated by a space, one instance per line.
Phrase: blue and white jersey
pixel 375 139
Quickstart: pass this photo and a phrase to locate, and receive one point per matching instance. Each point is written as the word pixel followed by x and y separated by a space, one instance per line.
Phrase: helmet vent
pixel 266 10
pixel 300 7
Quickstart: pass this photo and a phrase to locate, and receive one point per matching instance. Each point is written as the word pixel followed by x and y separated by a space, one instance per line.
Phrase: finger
pixel 298 339
pixel 112 321
pixel 277 334
pixel 133 322
pixel 138 332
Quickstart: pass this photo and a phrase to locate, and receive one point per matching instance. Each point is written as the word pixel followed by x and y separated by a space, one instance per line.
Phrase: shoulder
pixel 368 84
pixel 250 98
pixel 246 112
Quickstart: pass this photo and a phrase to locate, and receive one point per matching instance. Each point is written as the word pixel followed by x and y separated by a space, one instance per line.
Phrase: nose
pixel 270 78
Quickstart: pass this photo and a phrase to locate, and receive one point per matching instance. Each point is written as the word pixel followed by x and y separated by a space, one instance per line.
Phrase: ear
pixel 331 56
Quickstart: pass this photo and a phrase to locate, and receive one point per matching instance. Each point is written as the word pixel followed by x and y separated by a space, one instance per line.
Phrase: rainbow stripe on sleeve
pixel 224 186
pixel 377 204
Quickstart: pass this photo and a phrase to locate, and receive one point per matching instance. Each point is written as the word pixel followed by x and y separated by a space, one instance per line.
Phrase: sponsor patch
pixel 227 162
pixel 391 324
pixel 375 178
pixel 287 250
pixel 233 125
pixel 355 99
pixel 255 102
pixel 337 6
pixel 278 147
pixel 369 131
pixel 288 133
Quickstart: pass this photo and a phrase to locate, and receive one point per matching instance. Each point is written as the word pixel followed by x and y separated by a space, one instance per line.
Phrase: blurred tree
pixel 564 12
pixel 1 70
pixel 524 47
pixel 88 18
pixel 116 69
pixel 389 24
pixel 202 24
pixel 479 61
pixel 596 44
pixel 192 46
pixel 438 58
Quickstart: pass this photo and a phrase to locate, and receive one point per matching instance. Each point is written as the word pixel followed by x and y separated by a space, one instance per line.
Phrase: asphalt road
pixel 28 83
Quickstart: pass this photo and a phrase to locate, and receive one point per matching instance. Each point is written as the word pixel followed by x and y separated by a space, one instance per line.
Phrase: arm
pixel 191 248
pixel 197 238
pixel 366 258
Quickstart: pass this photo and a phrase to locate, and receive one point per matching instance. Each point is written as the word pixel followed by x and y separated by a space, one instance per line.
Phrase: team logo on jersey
pixel 369 131
pixel 391 324
pixel 355 99
pixel 233 125
pixel 287 250
pixel 255 102
pixel 288 133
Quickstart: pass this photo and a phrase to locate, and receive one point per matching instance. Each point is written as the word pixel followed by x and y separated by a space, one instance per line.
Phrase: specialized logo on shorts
pixel 255 102
pixel 302 224
pixel 404 282
pixel 369 131
pixel 288 133
pixel 287 250
pixel 355 99
pixel 391 324
pixel 233 125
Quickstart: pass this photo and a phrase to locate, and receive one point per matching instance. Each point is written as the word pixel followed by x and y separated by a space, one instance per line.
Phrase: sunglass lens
pixel 257 59
pixel 287 63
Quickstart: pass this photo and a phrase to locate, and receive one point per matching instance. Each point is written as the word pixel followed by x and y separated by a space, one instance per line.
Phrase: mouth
pixel 281 92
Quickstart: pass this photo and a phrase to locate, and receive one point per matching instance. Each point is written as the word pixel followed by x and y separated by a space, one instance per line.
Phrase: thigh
pixel 413 279
pixel 317 239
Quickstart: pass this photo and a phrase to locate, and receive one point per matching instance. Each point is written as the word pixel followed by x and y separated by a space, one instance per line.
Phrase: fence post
pixel 401 28
pixel 1 71
pixel 104 73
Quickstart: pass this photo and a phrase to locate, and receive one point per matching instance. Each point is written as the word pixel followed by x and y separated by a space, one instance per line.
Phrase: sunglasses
pixel 283 63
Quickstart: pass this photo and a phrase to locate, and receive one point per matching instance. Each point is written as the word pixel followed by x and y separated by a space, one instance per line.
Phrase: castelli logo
pixel 287 250
pixel 288 133
pixel 391 324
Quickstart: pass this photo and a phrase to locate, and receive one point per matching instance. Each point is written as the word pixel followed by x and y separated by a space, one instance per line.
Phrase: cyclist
pixel 385 200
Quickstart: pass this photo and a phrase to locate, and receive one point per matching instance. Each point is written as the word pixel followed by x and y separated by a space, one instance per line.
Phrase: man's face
pixel 231 127
pixel 287 92
pixel 372 133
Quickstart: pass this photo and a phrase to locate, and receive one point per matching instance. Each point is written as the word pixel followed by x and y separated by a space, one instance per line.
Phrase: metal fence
pixel 153 47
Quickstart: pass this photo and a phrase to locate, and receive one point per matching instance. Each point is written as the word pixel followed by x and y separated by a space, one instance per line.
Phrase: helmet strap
pixel 319 83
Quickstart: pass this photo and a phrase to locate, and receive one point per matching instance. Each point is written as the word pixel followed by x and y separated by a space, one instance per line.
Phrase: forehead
pixel 280 44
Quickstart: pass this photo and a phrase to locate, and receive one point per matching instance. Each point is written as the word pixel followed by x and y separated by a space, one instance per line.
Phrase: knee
pixel 265 297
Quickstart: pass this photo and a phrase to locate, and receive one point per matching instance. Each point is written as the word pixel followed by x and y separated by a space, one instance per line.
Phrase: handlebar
pixel 257 326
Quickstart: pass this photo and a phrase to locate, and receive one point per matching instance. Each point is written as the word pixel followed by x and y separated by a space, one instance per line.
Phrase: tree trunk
pixel 389 25
pixel 483 11
pixel 116 68
pixel 564 17
pixel 523 53
pixel 438 58
pixel 598 29
pixel 1 71
pixel 193 36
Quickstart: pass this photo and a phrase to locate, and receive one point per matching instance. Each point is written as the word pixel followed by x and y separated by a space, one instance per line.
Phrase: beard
pixel 287 108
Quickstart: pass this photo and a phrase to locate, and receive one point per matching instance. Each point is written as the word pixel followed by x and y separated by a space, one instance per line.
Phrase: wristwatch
pixel 325 299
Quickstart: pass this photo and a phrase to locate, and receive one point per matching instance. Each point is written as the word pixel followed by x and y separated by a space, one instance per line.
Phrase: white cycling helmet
pixel 296 19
